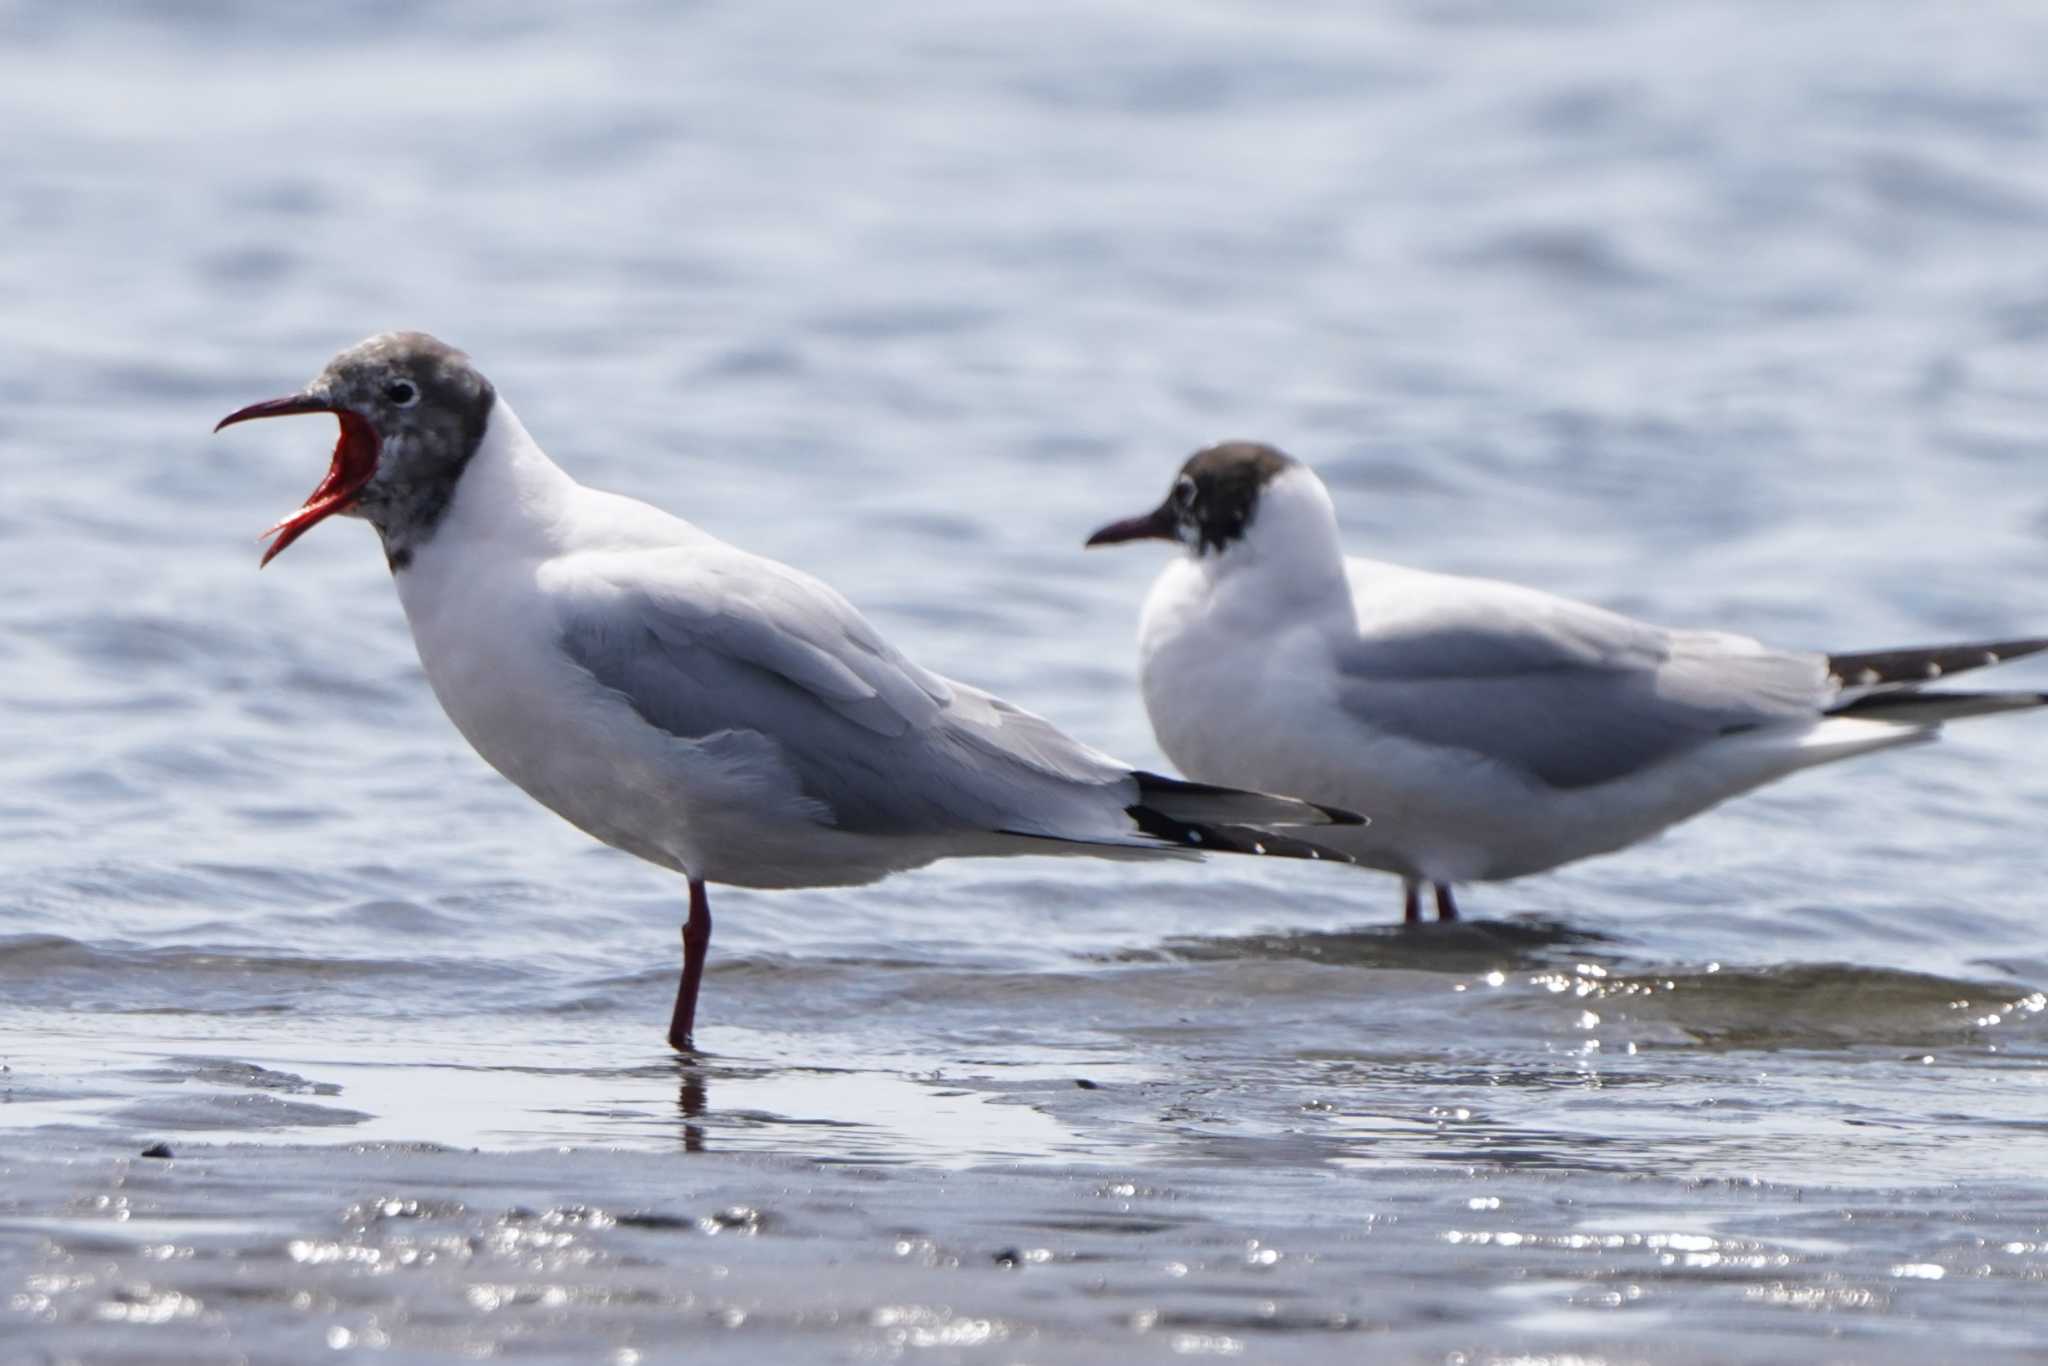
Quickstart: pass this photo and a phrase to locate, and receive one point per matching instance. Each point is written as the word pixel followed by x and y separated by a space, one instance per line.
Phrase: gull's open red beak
pixel 355 460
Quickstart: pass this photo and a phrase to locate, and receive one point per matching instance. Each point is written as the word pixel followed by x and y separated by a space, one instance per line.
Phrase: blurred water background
pixel 1727 314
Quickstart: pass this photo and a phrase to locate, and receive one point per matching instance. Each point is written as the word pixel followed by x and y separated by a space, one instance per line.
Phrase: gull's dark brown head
pixel 412 411
pixel 1211 503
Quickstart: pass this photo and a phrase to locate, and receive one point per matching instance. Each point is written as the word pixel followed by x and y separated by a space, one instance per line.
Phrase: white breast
pixel 485 596
pixel 489 640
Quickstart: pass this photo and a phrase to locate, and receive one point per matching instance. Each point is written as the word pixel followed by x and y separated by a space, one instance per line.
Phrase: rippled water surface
pixel 1728 314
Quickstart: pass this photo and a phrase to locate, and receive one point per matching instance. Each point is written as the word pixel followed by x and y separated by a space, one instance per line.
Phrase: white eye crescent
pixel 402 393
pixel 1184 492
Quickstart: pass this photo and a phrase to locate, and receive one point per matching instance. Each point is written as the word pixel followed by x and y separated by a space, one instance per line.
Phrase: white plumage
pixel 1491 730
pixel 711 711
pixel 716 712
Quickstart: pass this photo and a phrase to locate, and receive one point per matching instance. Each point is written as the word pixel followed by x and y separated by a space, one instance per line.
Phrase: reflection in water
pixel 1457 946
pixel 690 1102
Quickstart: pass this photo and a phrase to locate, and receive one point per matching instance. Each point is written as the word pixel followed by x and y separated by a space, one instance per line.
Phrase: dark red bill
pixel 355 460
pixel 1159 524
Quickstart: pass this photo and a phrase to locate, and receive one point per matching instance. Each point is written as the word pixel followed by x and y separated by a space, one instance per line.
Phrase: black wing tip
pixel 1339 816
pixel 1227 839
pixel 1901 705
pixel 1149 783
pixel 1922 663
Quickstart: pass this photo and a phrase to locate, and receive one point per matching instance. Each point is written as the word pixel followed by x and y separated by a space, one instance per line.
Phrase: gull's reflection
pixel 691 1103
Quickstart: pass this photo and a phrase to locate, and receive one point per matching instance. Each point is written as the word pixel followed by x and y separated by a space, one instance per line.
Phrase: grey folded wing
pixel 719 643
pixel 1570 695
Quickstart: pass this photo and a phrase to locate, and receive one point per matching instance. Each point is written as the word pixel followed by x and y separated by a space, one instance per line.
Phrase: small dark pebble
pixel 157 1150
pixel 1009 1256
pixel 1087 1085
pixel 655 1221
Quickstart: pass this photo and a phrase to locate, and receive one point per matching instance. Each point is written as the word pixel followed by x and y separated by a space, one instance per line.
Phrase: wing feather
pixel 706 642
pixel 1570 694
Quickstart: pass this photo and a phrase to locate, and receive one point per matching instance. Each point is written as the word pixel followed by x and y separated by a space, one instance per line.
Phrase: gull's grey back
pixel 731 643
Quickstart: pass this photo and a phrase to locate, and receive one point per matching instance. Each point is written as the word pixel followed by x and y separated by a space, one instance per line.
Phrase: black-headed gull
pixel 711 711
pixel 1491 730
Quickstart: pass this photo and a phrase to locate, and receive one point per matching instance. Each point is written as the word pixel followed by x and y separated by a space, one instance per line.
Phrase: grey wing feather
pixel 728 643
pixel 1570 694
pixel 769 616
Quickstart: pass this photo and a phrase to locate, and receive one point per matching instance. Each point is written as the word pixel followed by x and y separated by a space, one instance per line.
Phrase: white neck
pixel 510 489
pixel 1291 541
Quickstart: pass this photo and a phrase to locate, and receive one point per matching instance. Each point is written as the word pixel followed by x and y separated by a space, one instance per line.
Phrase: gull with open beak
pixel 711 711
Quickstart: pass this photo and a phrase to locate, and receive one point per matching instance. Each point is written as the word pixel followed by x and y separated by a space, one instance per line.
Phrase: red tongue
pixel 355 460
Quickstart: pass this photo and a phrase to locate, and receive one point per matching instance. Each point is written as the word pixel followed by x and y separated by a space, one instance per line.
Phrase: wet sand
pixel 350 1194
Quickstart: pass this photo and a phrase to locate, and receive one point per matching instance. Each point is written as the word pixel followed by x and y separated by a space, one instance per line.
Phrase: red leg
pixel 1446 908
pixel 1411 903
pixel 696 943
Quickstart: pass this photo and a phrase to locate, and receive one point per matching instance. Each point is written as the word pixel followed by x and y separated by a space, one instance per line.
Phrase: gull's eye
pixel 1184 492
pixel 402 392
